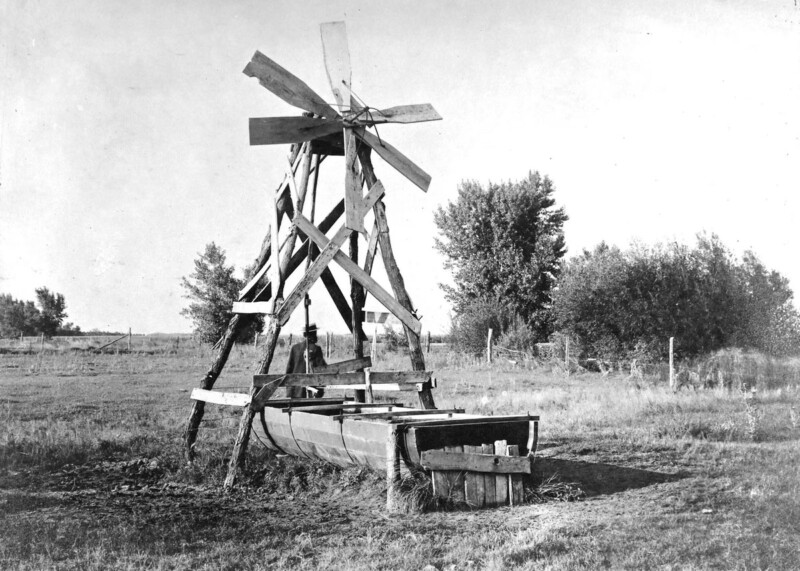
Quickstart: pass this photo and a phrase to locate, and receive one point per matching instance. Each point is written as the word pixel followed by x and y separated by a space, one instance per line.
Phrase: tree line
pixel 504 244
pixel 45 316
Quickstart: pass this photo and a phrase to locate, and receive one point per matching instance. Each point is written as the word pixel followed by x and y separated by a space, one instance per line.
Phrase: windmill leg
pixel 274 329
pixel 246 421
pixel 238 322
pixel 358 299
pixel 395 277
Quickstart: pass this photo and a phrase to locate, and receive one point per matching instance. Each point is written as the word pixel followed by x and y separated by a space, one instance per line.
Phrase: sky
pixel 124 143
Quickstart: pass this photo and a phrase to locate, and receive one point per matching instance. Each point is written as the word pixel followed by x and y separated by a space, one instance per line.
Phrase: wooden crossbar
pixel 345 366
pixel 397 412
pixel 337 407
pixel 344 379
pixel 487 463
pixel 467 420
pixel 216 397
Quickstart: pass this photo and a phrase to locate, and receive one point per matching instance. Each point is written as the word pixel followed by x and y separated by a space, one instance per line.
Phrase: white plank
pixel 216 397
pixel 252 308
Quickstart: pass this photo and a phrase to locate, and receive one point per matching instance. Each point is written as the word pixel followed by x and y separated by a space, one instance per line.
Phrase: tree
pixel 623 303
pixel 504 244
pixel 52 311
pixel 212 289
pixel 18 317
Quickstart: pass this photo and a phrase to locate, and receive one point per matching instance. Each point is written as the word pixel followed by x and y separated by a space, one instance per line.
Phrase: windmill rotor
pixel 327 125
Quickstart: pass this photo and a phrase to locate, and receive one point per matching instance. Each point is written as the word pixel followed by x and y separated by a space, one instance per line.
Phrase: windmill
pixel 324 130
pixel 328 126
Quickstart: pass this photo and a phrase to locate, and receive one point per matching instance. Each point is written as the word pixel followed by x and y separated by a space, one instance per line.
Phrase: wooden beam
pixel 396 279
pixel 471 462
pixel 312 273
pixel 471 420
pixel 397 412
pixel 372 249
pixel 516 492
pixel 354 207
pixel 336 407
pixel 362 277
pixel 345 366
pixel 351 378
pixel 216 397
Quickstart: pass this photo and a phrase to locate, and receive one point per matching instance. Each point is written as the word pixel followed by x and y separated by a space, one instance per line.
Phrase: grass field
pixel 92 476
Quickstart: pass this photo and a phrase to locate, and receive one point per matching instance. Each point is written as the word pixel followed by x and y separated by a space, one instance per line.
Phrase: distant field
pixel 92 476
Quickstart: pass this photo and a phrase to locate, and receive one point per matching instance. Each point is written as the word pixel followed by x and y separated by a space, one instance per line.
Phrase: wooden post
pixel 357 299
pixel 515 489
pixel 327 345
pixel 41 344
pixel 489 347
pixel 566 356
pixel 255 341
pixel 428 343
pixel 274 329
pixel 392 467
pixel 671 363
pixel 374 352
pixel 368 395
pixel 129 339
pixel 290 340
pixel 500 480
pixel 237 322
pixel 395 277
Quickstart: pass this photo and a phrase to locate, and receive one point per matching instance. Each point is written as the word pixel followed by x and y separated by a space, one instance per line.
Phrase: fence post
pixel 566 356
pixel 671 368
pixel 129 339
pixel 255 341
pixel 328 335
pixel 374 354
pixel 428 343
pixel 290 340
pixel 41 344
pixel 489 347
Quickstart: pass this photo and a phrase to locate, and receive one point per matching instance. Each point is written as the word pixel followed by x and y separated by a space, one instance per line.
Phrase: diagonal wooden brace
pixel 373 287
pixel 327 253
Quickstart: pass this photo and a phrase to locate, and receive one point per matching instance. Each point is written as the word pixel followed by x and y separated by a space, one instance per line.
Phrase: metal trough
pixel 346 434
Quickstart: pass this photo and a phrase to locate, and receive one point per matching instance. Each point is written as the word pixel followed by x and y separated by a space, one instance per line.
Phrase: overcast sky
pixel 124 145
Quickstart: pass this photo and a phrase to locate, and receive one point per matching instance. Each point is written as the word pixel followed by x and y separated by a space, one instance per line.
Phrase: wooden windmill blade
pixel 336 55
pixel 283 130
pixel 405 114
pixel 287 86
pixel 396 159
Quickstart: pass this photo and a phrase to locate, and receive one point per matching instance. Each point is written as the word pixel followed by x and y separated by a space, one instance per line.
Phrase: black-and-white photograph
pixel 436 286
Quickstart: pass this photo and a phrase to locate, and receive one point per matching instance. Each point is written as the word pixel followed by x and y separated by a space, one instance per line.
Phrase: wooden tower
pixel 321 132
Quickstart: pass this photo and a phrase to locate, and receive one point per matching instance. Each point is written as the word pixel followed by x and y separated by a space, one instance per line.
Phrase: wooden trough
pixel 472 458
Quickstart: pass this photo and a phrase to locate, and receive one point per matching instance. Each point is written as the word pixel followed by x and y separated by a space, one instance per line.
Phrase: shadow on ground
pixel 597 479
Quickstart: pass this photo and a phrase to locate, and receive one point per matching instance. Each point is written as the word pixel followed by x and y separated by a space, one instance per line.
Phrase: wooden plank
pixel 354 208
pixel 345 366
pixel 312 273
pixel 351 378
pixel 287 86
pixel 323 401
pixel 252 307
pixel 515 489
pixel 356 406
pixel 474 420
pixel 372 249
pixel 490 495
pixel 216 397
pixel 275 268
pixel 533 437
pixel 395 413
pixel 441 484
pixel 396 159
pixel 375 388
pixel 500 481
pixel 285 130
pixel 264 392
pixel 362 277
pixel 473 482
pixel 369 397
pixel 336 56
pixel 417 113
pixel 457 491
pixel 474 461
